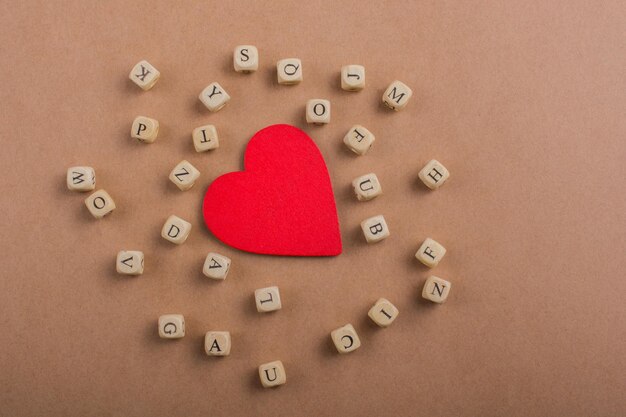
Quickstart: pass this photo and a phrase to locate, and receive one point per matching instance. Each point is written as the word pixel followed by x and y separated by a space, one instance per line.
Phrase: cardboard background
pixel 522 101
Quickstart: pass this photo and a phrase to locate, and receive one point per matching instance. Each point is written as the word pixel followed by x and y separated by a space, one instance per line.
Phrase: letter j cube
pixel 176 230
pixel 375 229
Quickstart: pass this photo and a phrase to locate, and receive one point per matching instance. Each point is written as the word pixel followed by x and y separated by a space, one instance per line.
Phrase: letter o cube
pixel 100 204
pixel 318 111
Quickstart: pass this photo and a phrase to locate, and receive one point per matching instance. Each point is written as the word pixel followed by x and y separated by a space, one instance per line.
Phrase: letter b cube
pixel 375 229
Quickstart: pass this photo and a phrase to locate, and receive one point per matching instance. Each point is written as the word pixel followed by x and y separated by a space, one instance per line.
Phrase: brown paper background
pixel 522 101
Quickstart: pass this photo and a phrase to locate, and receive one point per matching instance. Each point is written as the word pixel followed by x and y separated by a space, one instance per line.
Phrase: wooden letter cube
pixel 272 374
pixel 397 95
pixel 430 253
pixel 246 58
pixel 289 71
pixel 353 77
pixel 214 97
pixel 359 140
pixel 176 230
pixel 345 339
pixel 318 111
pixel 216 266
pixel 184 175
pixel 81 178
pixel 144 129
pixel 436 289
pixel 129 262
pixel 217 343
pixel 383 312
pixel 100 204
pixel 171 326
pixel 144 75
pixel 434 174
pixel 205 138
pixel 375 229
pixel 367 187
pixel 267 299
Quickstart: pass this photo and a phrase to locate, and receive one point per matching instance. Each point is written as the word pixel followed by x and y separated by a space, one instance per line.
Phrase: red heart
pixel 281 204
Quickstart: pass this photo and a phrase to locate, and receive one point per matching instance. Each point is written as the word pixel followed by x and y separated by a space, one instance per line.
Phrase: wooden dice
pixel 345 339
pixel 383 313
pixel 171 326
pixel 436 289
pixel 205 138
pixel 246 58
pixel 81 179
pixel 359 140
pixel 214 97
pixel 216 266
pixel 217 343
pixel 267 299
pixel 129 262
pixel 430 253
pixel 318 111
pixel 272 374
pixel 353 77
pixel 367 187
pixel 375 229
pixel 144 75
pixel 100 204
pixel 184 175
pixel 434 174
pixel 144 129
pixel 289 71
pixel 176 230
pixel 397 95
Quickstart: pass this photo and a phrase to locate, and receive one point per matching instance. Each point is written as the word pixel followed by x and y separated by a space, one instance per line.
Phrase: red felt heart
pixel 281 204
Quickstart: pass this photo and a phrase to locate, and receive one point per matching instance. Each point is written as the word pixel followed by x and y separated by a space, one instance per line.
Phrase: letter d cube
pixel 176 230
